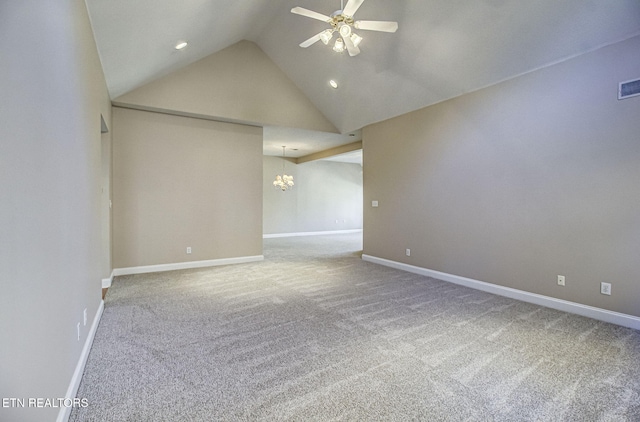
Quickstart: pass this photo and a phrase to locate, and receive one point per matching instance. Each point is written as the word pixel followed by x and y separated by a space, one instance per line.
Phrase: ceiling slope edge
pixel 237 84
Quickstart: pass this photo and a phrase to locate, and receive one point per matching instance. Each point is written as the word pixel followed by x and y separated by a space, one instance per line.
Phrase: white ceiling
pixel 443 48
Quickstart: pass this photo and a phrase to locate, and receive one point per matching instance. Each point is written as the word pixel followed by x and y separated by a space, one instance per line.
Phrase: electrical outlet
pixel 605 288
pixel 84 314
pixel 408 252
pixel 374 204
pixel 188 249
pixel 561 280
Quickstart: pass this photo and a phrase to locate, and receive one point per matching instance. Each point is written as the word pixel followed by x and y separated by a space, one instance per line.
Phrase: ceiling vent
pixel 629 89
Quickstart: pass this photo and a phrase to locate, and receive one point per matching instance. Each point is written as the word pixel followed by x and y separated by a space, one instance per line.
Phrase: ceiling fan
pixel 342 21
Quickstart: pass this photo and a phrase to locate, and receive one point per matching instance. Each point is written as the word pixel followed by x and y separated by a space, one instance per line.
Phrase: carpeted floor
pixel 313 333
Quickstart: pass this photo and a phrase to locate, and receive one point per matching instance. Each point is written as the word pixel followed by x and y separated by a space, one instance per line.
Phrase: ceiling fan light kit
pixel 326 35
pixel 355 39
pixel 345 30
pixel 342 21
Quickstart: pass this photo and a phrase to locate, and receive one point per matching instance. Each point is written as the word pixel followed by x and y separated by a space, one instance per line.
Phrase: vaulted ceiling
pixel 442 49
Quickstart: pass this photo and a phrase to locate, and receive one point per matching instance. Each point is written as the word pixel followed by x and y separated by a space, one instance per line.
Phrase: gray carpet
pixel 313 333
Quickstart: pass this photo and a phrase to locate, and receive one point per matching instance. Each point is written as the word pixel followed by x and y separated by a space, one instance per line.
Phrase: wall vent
pixel 629 89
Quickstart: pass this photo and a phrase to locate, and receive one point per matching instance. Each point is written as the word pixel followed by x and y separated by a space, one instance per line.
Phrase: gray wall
pixel 181 182
pixel 324 192
pixel 518 183
pixel 53 93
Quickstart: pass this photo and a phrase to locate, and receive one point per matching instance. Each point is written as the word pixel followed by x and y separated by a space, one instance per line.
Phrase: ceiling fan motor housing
pixel 337 17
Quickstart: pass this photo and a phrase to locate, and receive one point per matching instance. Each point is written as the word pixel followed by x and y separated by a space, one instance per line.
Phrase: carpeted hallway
pixel 315 333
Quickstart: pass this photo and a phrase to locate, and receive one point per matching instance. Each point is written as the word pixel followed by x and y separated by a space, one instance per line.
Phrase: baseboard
pixel 65 412
pixel 106 282
pixel 271 236
pixel 186 265
pixel 605 315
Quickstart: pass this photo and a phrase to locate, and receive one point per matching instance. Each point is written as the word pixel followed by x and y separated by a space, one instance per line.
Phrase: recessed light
pixel 181 45
pixel 333 84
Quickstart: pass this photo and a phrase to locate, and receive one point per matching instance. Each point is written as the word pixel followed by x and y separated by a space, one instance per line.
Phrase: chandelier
pixel 283 182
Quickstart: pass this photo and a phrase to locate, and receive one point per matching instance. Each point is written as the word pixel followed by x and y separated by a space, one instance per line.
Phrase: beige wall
pixel 518 183
pixel 180 182
pixel 53 93
pixel 105 195
pixel 239 84
pixel 327 196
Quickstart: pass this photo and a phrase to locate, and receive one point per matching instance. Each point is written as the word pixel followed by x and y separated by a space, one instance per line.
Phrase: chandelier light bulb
pixel 285 181
pixel 339 46
pixel 356 39
pixel 345 31
pixel 326 36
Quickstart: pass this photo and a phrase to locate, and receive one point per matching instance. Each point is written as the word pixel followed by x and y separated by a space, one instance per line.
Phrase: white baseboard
pixel 186 265
pixel 271 236
pixel 605 315
pixel 106 282
pixel 72 390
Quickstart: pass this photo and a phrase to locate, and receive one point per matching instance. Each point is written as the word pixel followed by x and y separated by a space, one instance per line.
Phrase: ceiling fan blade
pixel 352 7
pixel 310 14
pixel 351 47
pixel 384 26
pixel 311 40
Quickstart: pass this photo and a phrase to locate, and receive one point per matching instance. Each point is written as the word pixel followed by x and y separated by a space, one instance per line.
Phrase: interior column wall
pixel 182 182
pixel 105 205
